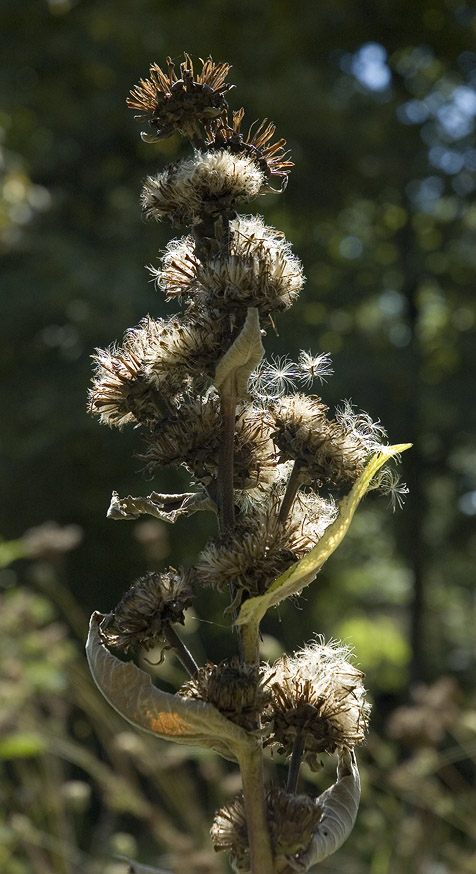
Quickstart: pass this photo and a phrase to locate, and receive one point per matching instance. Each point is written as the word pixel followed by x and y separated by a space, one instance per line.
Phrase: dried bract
pixel 188 103
pixel 328 451
pixel 270 157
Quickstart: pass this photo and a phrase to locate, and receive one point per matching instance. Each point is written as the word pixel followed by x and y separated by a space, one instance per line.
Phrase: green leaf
pixel 22 745
pixel 184 720
pixel 302 573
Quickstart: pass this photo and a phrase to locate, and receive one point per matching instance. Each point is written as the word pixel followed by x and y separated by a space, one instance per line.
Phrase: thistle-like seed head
pixel 318 695
pixel 151 602
pixel 261 547
pixel 189 103
pixel 291 818
pixel 270 157
pixel 329 451
pixel 205 186
pixel 234 689
pixel 259 271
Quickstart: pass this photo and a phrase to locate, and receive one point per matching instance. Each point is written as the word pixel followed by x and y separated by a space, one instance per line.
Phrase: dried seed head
pixel 318 695
pixel 258 271
pixel 191 345
pixel 190 435
pixel 207 185
pixel 328 451
pixel 260 547
pixel 270 157
pixel 234 689
pixel 121 391
pixel 292 819
pixel 189 104
pixel 153 601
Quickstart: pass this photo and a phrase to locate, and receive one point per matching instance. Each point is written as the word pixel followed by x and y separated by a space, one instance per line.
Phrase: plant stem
pixel 225 493
pixel 295 763
pixel 261 857
pixel 183 654
pixel 290 493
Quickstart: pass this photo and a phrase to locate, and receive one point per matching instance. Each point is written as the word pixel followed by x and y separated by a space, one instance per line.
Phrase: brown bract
pixel 187 103
pixel 270 157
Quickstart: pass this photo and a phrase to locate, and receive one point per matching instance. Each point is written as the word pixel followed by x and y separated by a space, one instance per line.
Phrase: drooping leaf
pixel 340 804
pixel 184 720
pixel 304 571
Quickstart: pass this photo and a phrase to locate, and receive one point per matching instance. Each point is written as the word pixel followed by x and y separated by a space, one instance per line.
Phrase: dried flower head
pixel 190 435
pixel 208 186
pixel 291 818
pixel 122 391
pixel 328 451
pixel 234 689
pixel 258 270
pixel 261 547
pixel 318 696
pixel 270 157
pixel 153 601
pixel 185 103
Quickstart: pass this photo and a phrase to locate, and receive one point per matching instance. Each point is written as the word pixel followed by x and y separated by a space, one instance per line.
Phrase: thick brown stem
pixel 261 857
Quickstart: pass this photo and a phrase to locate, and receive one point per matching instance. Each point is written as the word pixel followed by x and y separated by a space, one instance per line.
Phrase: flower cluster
pixel 281 474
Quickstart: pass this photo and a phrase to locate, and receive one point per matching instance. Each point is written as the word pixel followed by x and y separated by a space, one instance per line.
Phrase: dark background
pixel 377 101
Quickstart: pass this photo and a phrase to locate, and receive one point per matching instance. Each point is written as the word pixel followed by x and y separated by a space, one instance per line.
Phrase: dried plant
pixel 282 477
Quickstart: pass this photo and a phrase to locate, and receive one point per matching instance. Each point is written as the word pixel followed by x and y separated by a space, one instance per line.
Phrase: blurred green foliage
pixel 378 103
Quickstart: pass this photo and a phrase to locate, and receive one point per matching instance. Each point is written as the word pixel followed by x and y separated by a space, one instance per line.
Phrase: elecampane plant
pixel 282 476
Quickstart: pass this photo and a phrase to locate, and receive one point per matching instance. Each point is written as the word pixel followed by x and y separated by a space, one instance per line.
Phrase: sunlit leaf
pixel 184 720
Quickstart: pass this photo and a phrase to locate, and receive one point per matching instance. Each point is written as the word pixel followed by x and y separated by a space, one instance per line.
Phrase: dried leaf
pixel 168 508
pixel 236 366
pixel 340 804
pixel 184 720
pixel 304 571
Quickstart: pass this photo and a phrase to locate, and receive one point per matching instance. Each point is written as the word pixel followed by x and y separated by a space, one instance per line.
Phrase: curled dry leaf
pixel 340 804
pixel 167 508
pixel 130 691
pixel 235 368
